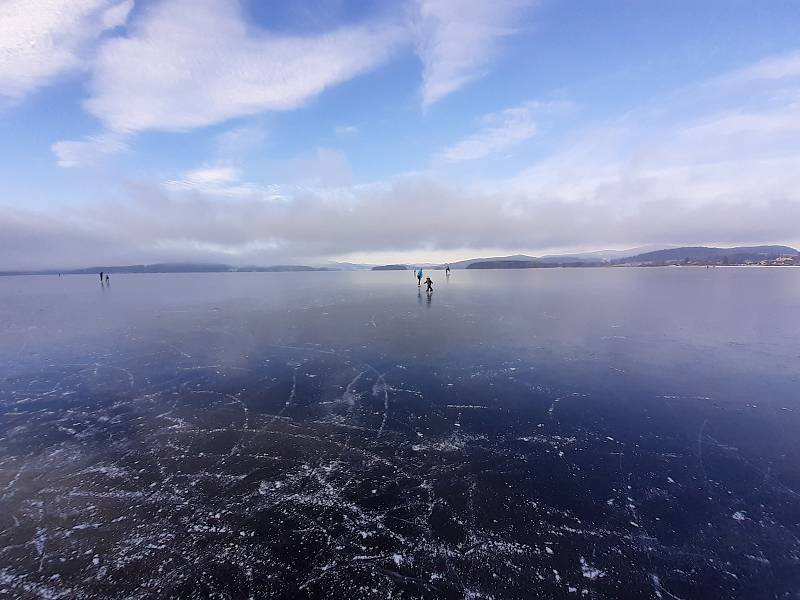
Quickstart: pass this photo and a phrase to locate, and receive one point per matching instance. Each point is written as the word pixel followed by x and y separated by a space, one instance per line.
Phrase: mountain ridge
pixel 709 253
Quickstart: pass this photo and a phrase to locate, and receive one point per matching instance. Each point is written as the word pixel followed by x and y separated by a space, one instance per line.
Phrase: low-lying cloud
pixel 411 214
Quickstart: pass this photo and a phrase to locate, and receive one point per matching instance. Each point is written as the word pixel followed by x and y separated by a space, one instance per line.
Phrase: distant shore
pixel 549 267
pixel 685 256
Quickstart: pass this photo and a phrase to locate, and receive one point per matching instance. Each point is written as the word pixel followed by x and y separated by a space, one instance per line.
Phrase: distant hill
pixel 391 268
pixel 635 256
pixel 169 268
pixel 704 254
pixel 588 258
pixel 530 264
pixel 464 264
pixel 507 264
pixel 601 255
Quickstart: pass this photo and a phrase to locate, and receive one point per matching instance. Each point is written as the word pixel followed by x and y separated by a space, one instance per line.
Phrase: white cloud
pixel 116 15
pixel 784 121
pixel 42 39
pixel 214 175
pixel 345 131
pixel 192 63
pixel 773 68
pixel 89 151
pixel 457 40
pixel 722 161
pixel 503 130
pixel 323 171
pixel 214 180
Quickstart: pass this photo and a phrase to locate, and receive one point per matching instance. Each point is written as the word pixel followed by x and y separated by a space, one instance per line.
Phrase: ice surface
pixel 607 433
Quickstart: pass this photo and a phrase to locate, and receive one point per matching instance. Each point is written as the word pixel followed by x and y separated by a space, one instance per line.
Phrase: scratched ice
pixel 605 433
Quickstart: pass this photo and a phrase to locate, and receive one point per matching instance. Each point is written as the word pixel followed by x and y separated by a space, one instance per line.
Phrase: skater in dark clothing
pixel 447 270
pixel 101 277
pixel 106 278
pixel 428 285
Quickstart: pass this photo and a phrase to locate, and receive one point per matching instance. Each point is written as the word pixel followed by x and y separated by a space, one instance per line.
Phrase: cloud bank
pixel 650 206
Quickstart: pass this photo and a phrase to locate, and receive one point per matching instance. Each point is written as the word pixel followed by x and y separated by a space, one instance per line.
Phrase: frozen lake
pixel 550 433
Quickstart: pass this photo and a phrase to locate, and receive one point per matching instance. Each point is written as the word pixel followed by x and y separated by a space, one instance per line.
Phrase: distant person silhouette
pixel 101 277
pixel 106 278
pixel 428 284
pixel 447 270
pixel 419 277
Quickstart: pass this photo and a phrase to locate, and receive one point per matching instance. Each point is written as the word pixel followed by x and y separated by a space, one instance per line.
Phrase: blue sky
pixel 262 132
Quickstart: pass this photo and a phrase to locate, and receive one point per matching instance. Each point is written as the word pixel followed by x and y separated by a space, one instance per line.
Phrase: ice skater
pixel 447 270
pixel 428 285
pixel 101 277
pixel 419 277
pixel 107 279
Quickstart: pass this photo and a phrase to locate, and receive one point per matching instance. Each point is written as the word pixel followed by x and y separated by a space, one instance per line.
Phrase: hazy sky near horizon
pixel 252 132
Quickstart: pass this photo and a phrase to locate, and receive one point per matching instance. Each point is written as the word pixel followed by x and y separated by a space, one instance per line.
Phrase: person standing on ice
pixel 419 277
pixel 428 285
